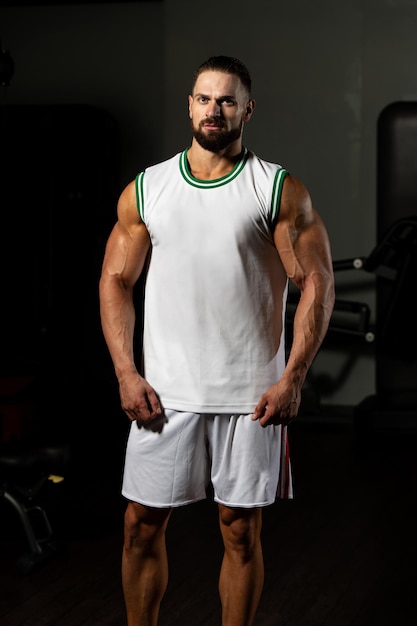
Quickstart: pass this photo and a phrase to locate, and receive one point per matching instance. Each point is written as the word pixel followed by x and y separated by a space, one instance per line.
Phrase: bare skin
pixel 219 104
pixel 144 563
pixel 242 571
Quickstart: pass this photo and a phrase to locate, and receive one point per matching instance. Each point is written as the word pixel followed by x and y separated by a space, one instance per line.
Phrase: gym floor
pixel 342 553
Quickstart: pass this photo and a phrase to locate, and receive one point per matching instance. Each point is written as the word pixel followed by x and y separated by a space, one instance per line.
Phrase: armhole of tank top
pixel 276 194
pixel 139 195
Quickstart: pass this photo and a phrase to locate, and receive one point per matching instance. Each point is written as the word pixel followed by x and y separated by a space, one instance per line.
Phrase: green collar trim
pixel 217 182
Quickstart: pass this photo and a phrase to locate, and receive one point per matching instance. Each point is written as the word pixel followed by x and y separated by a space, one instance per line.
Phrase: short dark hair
pixel 229 65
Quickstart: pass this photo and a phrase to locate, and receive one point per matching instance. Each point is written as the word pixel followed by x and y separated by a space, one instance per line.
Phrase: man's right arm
pixel 124 259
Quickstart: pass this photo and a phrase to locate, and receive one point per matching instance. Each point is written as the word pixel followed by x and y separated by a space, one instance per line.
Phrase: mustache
pixel 217 121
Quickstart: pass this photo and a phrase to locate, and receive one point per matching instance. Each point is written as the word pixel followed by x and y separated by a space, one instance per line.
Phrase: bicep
pixel 301 237
pixel 128 244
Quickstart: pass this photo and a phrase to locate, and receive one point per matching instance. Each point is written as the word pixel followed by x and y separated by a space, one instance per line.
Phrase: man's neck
pixel 206 165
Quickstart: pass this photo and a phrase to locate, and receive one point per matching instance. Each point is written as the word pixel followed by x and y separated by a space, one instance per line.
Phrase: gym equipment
pixel 28 466
pixel 394 334
pixel 394 262
pixel 23 475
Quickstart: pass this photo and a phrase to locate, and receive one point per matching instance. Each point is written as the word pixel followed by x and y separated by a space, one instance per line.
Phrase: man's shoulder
pixel 167 163
pixel 263 162
pixel 267 166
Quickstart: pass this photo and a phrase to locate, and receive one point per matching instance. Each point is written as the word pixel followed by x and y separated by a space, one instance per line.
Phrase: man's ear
pixel 190 101
pixel 250 107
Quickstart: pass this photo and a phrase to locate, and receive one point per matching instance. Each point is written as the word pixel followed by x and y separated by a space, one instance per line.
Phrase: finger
pixel 154 406
pixel 264 421
pixel 267 418
pixel 260 411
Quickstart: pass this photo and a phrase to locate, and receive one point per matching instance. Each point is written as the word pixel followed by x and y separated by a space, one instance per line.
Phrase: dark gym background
pixel 98 91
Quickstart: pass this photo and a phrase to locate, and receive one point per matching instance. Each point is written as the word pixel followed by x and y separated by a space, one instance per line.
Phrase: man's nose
pixel 213 110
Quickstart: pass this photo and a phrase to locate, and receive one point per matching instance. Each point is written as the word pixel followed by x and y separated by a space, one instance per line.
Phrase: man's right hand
pixel 138 399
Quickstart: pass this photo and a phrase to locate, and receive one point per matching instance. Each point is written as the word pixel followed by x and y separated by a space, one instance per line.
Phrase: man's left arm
pixel 303 244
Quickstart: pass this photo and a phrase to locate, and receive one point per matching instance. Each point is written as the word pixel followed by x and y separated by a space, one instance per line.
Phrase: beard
pixel 215 140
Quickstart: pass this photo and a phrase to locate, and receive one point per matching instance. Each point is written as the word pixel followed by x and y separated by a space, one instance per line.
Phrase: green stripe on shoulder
pixel 139 195
pixel 277 192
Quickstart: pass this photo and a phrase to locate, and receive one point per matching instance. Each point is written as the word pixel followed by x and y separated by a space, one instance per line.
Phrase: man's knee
pixel 144 525
pixel 241 530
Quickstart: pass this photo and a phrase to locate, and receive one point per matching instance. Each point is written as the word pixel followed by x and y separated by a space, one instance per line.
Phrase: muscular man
pixel 219 233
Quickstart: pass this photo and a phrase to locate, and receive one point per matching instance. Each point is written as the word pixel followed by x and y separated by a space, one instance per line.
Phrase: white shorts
pixel 171 462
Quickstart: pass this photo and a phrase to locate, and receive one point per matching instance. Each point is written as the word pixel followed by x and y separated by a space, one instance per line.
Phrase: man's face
pixel 218 108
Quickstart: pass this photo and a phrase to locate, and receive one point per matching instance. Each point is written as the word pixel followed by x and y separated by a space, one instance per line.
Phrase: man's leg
pixel 144 563
pixel 242 571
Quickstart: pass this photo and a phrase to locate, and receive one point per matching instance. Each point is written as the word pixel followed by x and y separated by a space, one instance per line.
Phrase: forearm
pixel 311 322
pixel 118 323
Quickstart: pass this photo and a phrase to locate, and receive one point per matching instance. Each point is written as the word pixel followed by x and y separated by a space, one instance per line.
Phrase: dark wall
pixel 58 195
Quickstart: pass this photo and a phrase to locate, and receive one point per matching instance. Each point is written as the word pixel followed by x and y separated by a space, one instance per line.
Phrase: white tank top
pixel 216 289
